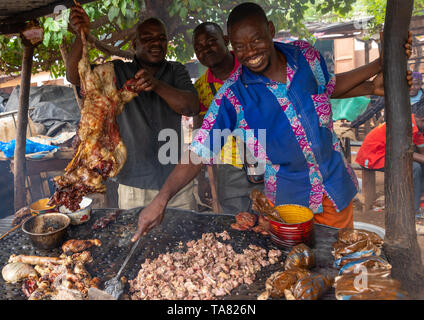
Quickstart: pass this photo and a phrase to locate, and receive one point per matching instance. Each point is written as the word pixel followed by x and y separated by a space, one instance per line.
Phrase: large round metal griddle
pixel 177 228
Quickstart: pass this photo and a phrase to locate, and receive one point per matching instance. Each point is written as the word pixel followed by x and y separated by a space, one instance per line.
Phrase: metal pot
pixel 47 231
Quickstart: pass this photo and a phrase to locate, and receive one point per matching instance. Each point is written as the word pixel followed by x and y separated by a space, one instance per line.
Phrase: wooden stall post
pixel 401 245
pixel 19 159
pixel 30 40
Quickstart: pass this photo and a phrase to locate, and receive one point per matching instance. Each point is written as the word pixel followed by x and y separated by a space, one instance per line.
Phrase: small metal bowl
pixel 47 231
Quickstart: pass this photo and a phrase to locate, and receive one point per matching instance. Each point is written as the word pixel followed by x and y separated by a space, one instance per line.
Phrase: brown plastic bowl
pixel 47 231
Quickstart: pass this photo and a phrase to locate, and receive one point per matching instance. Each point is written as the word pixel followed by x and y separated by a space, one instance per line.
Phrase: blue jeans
pixel 417 174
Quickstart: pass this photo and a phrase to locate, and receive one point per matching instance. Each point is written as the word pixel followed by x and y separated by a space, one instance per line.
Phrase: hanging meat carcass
pixel 99 151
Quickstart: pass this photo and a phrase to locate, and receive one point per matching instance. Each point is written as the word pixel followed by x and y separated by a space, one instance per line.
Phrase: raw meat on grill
pixel 99 150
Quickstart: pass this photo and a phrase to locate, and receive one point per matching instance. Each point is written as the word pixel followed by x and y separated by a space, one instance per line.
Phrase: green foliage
pixel 377 10
pixel 11 51
pixel 113 20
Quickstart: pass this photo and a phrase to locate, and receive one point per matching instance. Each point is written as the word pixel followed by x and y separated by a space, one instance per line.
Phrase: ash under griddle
pixel 177 228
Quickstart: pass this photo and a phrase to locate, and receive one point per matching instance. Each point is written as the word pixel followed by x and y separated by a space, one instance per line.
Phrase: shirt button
pixel 299 116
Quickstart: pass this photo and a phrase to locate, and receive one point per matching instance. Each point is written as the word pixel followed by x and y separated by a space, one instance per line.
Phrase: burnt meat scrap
pixel 99 151
pixel 104 221
pixel 207 270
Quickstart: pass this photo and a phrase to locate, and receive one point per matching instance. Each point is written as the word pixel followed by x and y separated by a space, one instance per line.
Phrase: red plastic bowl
pixel 298 228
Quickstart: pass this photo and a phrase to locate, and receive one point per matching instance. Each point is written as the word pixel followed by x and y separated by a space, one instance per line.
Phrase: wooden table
pixel 36 173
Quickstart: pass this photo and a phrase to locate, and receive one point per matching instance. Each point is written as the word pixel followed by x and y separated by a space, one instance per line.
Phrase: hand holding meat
pixel 149 217
pixel 79 21
pixel 145 81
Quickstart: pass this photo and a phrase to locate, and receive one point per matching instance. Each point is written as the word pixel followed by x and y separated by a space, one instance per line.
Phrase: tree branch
pixel 99 22
pixel 121 35
pixel 111 50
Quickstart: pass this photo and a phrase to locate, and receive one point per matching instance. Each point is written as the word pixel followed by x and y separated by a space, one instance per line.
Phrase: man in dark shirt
pixel 166 93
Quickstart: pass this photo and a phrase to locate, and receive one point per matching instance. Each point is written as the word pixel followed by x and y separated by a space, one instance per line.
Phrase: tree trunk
pixel 19 157
pixel 401 245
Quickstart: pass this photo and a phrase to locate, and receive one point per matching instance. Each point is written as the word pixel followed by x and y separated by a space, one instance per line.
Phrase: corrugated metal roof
pixel 10 8
pixel 320 28
pixel 14 13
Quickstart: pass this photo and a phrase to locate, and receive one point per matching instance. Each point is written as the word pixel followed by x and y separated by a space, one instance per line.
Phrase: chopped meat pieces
pixel 223 235
pixel 207 270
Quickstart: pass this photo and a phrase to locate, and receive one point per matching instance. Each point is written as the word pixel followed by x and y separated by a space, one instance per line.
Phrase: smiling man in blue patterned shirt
pixel 284 91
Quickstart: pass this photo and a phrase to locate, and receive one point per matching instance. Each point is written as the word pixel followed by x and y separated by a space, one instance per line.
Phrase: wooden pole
pixel 401 245
pixel 19 158
pixel 367 60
